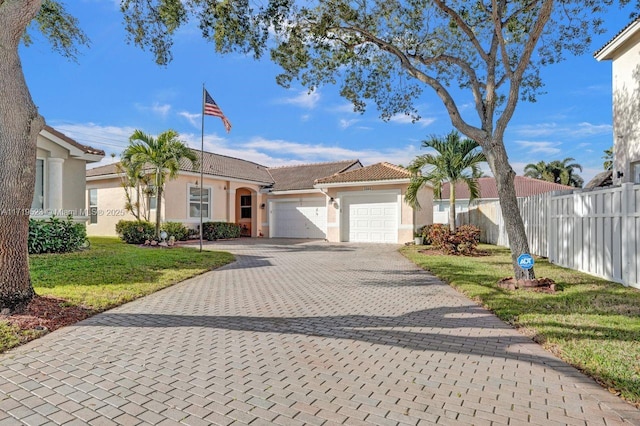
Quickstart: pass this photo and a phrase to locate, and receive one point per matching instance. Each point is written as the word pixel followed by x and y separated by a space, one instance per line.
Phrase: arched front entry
pixel 246 215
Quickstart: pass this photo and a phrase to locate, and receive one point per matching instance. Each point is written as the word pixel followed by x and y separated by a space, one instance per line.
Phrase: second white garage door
pixel 371 218
pixel 299 219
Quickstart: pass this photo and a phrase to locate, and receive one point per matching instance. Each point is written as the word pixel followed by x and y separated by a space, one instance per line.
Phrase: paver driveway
pixel 299 333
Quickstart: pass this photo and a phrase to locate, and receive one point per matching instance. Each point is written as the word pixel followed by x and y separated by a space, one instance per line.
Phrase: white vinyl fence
pixel 596 231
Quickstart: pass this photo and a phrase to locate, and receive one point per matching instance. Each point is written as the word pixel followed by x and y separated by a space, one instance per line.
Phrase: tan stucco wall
pixel 424 215
pixel 73 186
pixel 111 201
pixel 626 108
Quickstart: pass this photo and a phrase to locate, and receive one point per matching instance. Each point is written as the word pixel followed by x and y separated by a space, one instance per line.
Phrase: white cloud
pixel 110 139
pixel 544 147
pixel 191 118
pixel 577 130
pixel 588 129
pixel 345 124
pixel 406 119
pixel 161 110
pixel 303 99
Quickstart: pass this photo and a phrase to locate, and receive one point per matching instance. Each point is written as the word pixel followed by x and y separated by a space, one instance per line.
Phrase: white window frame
pixel 209 203
pixel 635 170
pixel 44 185
pixel 91 206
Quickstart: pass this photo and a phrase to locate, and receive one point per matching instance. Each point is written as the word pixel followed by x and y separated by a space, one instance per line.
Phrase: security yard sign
pixel 525 261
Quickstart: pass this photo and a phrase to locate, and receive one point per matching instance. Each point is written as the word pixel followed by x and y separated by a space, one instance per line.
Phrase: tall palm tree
pixel 457 160
pixel 161 156
pixel 540 170
pixel 557 171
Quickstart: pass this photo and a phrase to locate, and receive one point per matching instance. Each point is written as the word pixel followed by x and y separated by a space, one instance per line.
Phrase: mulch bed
pixel 47 312
pixel 542 285
pixel 430 251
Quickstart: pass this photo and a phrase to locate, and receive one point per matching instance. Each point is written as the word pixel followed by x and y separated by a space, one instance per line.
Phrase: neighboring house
pixel 624 53
pixel 601 180
pixel 337 201
pixel 60 176
pixel 488 192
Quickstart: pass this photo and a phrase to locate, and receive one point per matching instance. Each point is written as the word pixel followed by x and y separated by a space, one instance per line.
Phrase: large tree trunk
pixel 504 174
pixel 20 124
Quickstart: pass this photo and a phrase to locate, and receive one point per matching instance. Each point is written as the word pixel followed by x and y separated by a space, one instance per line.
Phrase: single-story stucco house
pixel 60 176
pixel 336 201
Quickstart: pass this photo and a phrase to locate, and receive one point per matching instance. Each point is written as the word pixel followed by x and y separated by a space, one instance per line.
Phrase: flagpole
pixel 201 163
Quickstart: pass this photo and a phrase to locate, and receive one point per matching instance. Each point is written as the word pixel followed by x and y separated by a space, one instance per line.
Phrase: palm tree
pixel 564 172
pixel 557 171
pixel 539 170
pixel 161 156
pixel 457 161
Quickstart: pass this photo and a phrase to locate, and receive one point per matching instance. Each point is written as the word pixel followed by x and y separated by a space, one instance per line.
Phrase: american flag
pixel 212 108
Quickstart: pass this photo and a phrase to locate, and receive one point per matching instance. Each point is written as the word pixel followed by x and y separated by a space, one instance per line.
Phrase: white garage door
pixel 299 219
pixel 372 218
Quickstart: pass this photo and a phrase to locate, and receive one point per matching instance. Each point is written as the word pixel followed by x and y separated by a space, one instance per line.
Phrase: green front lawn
pixel 111 273
pixel 591 323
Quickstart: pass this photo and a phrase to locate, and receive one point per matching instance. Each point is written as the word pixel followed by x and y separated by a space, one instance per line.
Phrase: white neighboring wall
pixel 624 52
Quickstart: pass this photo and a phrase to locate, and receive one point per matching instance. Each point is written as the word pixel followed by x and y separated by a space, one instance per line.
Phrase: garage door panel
pixel 372 218
pixel 300 219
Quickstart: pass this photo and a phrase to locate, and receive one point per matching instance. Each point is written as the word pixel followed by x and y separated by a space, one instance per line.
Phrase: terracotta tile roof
pixel 374 172
pixel 230 167
pixel 84 148
pixel 618 34
pixel 525 187
pixel 303 176
pixel 214 165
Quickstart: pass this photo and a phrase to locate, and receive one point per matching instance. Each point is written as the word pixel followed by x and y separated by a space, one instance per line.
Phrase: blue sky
pixel 115 88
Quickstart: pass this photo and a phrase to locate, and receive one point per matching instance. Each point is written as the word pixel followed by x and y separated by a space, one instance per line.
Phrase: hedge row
pixel 137 232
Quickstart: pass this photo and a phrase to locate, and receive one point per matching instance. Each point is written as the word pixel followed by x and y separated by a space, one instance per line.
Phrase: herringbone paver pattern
pixel 293 334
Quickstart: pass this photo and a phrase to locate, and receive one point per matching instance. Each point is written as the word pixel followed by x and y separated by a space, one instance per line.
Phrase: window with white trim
pixel 635 168
pixel 152 193
pixel 93 205
pixel 38 192
pixel 194 202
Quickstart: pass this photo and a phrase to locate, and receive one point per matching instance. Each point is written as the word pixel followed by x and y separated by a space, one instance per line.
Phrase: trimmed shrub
pixel 55 235
pixel 423 232
pixel 212 231
pixel 176 230
pixel 463 241
pixel 135 231
pixel 467 238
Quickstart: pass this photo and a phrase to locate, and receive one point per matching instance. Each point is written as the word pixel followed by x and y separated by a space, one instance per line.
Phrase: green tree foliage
pixel 557 171
pixel 456 160
pixel 608 159
pixel 159 157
